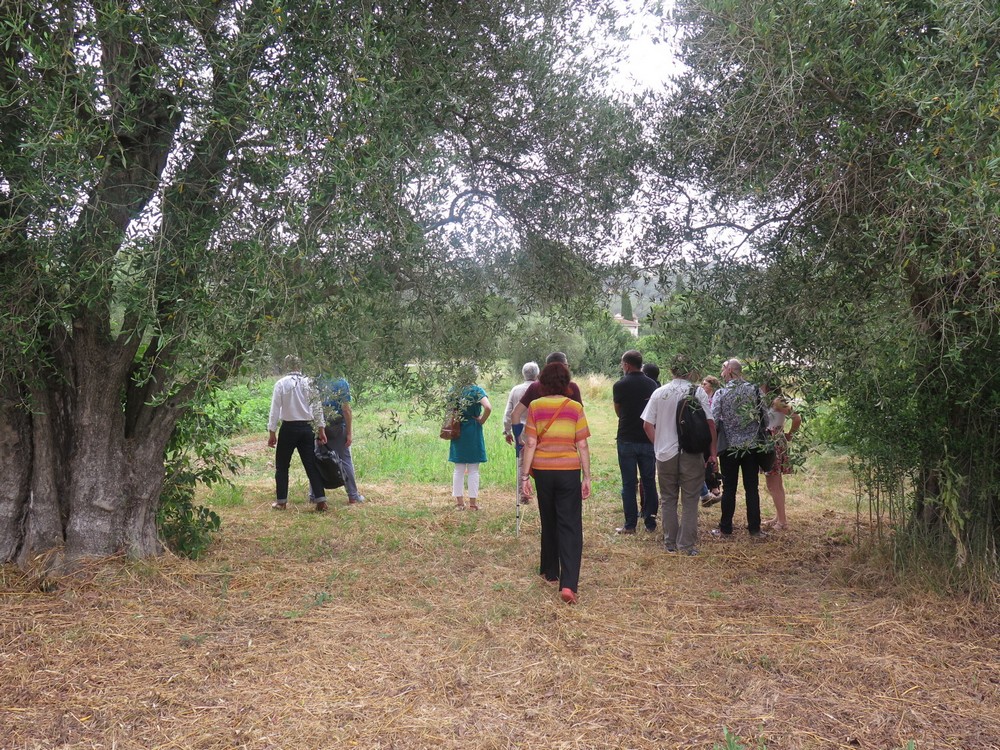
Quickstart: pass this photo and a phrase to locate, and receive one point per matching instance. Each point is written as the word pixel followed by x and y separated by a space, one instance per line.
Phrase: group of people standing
pixel 748 438
pixel 545 420
pixel 309 412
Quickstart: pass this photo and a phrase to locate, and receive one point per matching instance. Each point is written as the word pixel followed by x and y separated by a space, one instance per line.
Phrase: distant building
pixel 632 326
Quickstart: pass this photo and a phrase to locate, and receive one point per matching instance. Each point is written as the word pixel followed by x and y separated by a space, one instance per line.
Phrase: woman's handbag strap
pixel 552 419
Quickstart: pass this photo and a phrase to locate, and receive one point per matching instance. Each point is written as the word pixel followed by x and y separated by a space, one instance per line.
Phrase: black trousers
pixel 296 436
pixel 732 465
pixel 560 510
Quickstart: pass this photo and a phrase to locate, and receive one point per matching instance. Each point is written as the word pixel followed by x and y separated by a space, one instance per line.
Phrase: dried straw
pixel 405 624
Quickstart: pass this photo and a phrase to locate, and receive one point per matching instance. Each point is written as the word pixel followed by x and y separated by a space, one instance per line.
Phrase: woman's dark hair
pixel 553 380
pixel 771 382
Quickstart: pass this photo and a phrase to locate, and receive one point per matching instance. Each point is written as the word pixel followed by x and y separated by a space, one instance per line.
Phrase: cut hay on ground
pixel 405 624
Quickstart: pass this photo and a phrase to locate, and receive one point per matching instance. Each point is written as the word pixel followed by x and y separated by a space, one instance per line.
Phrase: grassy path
pixel 403 624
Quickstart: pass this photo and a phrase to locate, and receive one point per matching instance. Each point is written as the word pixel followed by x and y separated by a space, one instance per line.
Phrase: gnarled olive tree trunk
pixel 179 179
pixel 80 474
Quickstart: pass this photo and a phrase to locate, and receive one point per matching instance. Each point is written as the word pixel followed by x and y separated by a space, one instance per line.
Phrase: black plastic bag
pixel 328 463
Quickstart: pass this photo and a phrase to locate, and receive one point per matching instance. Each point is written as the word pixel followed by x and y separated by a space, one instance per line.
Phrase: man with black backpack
pixel 679 423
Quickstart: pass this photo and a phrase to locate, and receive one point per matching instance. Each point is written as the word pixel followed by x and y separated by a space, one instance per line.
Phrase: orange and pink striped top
pixel 556 450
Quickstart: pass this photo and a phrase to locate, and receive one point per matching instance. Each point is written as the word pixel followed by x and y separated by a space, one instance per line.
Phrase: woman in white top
pixel 779 413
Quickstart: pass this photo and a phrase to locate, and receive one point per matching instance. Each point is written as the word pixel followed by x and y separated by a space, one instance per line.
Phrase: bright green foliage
pixel 186 528
pixel 833 168
pixel 198 453
pixel 592 344
pixel 732 742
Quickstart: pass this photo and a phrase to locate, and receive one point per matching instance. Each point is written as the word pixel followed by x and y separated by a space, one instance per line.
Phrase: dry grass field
pixel 402 623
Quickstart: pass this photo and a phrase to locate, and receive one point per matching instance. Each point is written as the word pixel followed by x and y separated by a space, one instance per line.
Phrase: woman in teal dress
pixel 470 449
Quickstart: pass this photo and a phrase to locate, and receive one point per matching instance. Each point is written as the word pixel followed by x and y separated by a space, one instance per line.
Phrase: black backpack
pixel 693 434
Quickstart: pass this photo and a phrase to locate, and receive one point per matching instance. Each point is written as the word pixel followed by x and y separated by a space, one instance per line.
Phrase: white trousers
pixel 458 480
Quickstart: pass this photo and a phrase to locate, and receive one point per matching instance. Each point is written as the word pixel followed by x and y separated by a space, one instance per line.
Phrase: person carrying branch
pixel 340 431
pixel 469 450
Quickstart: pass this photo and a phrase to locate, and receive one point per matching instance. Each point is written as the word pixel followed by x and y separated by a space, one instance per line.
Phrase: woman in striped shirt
pixel 556 454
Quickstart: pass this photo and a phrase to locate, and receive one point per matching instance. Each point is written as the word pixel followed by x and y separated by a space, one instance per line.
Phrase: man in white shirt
pixel 296 404
pixel 512 432
pixel 678 472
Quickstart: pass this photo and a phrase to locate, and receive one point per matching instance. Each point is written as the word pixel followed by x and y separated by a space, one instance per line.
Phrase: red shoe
pixel 568 596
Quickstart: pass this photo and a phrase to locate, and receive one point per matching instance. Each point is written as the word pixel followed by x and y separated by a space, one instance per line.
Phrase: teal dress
pixel 470 448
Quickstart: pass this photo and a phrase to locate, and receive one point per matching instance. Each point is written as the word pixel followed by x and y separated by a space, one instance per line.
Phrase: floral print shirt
pixel 736 407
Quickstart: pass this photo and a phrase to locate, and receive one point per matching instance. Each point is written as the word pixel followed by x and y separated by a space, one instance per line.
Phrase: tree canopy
pixel 181 180
pixel 830 170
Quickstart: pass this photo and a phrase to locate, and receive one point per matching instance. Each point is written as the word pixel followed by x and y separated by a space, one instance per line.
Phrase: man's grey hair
pixel 557 357
pixel 530 371
pixel 293 363
pixel 735 366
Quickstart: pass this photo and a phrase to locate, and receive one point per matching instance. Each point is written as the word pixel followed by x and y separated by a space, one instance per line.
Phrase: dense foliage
pixel 593 344
pixel 185 184
pixel 830 169
pixel 198 454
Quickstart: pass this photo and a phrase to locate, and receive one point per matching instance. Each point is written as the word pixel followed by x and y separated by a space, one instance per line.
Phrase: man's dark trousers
pixel 632 456
pixel 732 464
pixel 296 436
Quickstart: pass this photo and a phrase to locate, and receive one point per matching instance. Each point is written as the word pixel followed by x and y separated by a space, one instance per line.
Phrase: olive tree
pixel 831 169
pixel 180 177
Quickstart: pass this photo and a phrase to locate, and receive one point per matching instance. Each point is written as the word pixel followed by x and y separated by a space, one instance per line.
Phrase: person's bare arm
pixel 345 407
pixel 713 455
pixel 584 450
pixel 518 414
pixel 650 430
pixel 487 410
pixel 796 422
pixel 527 456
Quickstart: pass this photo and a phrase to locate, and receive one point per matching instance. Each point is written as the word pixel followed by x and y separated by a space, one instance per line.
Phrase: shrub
pixel 241 408
pixel 197 452
pixel 606 340
pixel 534 338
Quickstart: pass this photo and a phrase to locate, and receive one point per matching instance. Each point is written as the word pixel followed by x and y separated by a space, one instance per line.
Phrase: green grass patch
pixel 225 496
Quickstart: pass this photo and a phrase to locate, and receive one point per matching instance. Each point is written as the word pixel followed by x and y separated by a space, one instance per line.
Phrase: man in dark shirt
pixel 631 394
pixel 534 390
pixel 652 372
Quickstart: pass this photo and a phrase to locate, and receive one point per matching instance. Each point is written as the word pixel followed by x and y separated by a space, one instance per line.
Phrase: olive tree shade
pixel 831 171
pixel 180 180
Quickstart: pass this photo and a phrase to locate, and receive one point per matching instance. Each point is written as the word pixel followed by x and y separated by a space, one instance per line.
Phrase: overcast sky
pixel 647 63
